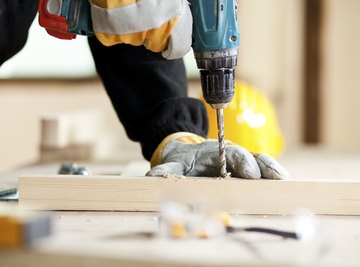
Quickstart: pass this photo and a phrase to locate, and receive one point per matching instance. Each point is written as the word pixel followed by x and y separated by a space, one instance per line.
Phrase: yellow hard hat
pixel 250 121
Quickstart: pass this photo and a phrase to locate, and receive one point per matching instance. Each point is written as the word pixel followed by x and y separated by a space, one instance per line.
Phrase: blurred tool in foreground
pixel 187 221
pixel 19 228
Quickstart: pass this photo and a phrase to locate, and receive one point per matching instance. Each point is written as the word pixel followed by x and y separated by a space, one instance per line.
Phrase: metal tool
pixel 72 168
pixel 8 192
pixel 216 39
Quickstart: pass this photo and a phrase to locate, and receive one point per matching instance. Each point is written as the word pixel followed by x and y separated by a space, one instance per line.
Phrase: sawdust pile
pixel 173 176
pixel 179 176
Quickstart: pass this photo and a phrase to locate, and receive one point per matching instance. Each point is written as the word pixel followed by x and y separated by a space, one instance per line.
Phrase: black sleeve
pixel 149 94
pixel 16 17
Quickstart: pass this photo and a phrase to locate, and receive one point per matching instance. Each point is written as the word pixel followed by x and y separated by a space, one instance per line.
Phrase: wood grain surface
pixel 119 193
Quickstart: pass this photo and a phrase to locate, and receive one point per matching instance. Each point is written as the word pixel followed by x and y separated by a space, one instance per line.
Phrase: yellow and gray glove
pixel 160 25
pixel 191 155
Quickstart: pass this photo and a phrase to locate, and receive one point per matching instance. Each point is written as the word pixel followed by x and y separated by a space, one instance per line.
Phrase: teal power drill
pixel 215 43
pixel 216 39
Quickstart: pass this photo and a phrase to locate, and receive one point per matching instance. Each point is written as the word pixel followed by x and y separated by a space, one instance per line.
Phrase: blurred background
pixel 303 54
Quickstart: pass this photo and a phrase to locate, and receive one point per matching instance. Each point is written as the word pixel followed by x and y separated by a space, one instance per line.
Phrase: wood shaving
pixel 179 176
pixel 228 176
pixel 173 176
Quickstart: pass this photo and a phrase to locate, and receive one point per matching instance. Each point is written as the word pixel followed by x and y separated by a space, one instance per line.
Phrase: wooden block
pixel 59 130
pixel 74 152
pixel 55 131
pixel 76 135
pixel 67 192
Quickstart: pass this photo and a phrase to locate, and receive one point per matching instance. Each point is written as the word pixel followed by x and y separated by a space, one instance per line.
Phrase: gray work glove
pixel 160 25
pixel 191 155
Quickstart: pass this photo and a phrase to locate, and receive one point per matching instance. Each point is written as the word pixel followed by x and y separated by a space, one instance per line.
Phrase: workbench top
pixel 121 238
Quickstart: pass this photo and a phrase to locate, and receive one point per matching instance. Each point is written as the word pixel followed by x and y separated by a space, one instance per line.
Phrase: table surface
pixel 119 239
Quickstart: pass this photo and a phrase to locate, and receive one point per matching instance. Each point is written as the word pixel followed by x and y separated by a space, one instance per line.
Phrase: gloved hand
pixel 191 155
pixel 160 25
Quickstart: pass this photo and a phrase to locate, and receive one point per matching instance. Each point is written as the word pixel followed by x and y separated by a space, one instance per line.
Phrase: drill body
pixel 216 40
pixel 215 43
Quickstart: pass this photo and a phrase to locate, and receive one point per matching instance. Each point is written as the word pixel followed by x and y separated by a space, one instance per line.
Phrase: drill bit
pixel 222 154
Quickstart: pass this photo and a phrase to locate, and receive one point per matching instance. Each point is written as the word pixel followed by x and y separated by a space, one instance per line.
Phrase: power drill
pixel 216 40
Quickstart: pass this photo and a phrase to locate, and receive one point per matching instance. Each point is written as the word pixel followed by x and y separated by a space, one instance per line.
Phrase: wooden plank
pixel 67 192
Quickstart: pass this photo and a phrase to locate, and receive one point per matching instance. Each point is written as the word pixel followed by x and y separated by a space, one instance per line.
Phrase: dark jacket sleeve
pixel 149 94
pixel 16 17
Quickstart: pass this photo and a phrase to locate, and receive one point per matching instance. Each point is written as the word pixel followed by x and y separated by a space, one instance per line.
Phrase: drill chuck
pixel 217 86
pixel 217 75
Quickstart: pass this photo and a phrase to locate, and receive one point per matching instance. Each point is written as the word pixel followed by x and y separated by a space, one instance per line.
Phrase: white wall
pixel 271 57
pixel 341 77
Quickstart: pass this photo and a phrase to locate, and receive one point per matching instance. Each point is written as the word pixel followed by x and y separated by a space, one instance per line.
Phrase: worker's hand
pixel 191 155
pixel 160 25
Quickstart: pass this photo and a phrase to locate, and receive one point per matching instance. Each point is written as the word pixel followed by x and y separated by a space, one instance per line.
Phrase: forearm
pixel 16 17
pixel 149 94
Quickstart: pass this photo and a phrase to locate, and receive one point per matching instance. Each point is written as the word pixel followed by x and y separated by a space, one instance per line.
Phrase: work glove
pixel 191 155
pixel 160 25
